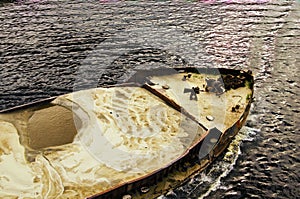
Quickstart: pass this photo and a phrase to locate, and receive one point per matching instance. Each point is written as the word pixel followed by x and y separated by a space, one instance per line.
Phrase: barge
pixel 138 139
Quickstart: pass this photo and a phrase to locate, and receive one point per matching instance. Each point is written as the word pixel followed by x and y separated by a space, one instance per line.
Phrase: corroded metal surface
pixel 43 46
pixel 120 140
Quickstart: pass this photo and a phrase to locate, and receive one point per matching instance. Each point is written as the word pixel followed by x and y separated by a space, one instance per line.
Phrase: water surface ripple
pixel 47 48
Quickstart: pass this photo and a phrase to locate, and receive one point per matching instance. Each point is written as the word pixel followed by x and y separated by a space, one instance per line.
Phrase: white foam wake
pixel 226 165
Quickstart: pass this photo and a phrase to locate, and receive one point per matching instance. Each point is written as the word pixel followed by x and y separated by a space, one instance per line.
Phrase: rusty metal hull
pixel 152 180
pixel 157 182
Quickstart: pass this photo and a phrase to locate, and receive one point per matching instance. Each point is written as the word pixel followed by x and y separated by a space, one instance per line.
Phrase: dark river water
pixel 54 47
